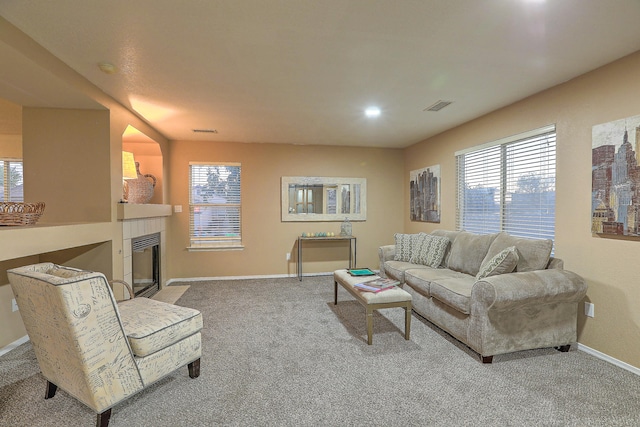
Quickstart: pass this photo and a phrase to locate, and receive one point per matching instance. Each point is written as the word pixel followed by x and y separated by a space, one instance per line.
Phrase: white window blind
pixel 11 183
pixel 509 186
pixel 215 205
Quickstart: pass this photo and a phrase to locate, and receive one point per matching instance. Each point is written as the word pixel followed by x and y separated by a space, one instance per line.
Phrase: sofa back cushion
pixel 468 251
pixel 429 250
pixel 533 254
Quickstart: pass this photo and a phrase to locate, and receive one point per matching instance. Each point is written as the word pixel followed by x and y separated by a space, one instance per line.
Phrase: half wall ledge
pixel 22 241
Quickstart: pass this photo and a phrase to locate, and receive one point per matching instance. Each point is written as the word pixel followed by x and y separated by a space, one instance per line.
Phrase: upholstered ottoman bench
pixel 389 298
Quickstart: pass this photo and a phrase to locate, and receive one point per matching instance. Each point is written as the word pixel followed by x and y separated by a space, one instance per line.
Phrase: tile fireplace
pixel 143 243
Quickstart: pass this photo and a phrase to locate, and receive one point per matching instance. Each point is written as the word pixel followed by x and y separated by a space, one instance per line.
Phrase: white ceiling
pixel 303 71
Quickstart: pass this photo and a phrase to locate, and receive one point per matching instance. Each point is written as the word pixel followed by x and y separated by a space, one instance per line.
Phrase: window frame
pixel 6 184
pixel 508 215
pixel 203 243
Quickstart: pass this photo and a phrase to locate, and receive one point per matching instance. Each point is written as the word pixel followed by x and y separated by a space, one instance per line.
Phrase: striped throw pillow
pixel 504 262
pixel 429 250
pixel 404 246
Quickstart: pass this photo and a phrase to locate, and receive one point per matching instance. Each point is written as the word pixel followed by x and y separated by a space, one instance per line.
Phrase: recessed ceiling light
pixel 107 67
pixel 372 112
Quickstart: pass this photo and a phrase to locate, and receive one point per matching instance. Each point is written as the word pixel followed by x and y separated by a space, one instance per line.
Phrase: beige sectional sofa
pixel 496 293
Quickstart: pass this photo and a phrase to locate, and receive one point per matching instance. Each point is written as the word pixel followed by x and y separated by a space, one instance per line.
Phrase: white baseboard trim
pixel 607 358
pixel 6 349
pixel 268 276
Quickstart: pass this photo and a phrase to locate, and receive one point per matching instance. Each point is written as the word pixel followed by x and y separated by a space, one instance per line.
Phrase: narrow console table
pixel 353 249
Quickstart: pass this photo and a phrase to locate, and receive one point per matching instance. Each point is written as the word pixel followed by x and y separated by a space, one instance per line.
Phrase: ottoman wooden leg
pixel 407 322
pixel 369 326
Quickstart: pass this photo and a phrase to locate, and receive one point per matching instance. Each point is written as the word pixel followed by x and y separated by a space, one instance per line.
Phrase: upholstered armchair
pixel 96 349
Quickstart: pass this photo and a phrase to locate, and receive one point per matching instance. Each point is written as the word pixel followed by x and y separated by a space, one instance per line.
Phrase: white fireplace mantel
pixel 128 211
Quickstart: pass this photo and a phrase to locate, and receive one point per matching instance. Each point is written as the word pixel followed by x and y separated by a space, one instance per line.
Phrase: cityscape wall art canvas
pixel 615 178
pixel 424 186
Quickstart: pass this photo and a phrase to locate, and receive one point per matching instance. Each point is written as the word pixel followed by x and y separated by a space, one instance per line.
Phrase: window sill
pixel 214 248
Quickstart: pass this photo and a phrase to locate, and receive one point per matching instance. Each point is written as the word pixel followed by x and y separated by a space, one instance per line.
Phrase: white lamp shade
pixel 128 166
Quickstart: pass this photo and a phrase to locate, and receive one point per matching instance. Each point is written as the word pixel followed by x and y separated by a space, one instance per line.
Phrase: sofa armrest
pixel 555 263
pixel 529 289
pixel 387 253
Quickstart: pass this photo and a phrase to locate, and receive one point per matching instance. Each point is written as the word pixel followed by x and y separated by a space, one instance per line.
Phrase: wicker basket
pixel 16 213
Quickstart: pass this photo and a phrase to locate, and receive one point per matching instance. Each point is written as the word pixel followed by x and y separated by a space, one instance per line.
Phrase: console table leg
pixel 355 252
pixel 299 264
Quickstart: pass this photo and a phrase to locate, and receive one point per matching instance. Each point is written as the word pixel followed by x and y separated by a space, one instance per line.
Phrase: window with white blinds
pixel 215 206
pixel 509 185
pixel 11 183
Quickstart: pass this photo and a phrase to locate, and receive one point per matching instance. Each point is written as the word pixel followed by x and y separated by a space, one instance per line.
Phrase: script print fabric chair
pixel 94 348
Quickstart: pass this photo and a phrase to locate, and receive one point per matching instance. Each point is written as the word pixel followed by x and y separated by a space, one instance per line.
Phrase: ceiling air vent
pixel 438 106
pixel 205 131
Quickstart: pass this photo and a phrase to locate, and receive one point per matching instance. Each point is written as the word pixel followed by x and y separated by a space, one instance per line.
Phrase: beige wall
pixel 12 327
pixel 10 129
pixel 266 238
pixel 67 163
pixel 608 265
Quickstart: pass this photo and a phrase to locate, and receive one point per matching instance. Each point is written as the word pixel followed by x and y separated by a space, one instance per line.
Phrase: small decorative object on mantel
pixel 18 213
pixel 345 228
pixel 139 190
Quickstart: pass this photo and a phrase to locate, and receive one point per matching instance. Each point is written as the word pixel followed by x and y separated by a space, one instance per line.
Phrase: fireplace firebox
pixel 145 269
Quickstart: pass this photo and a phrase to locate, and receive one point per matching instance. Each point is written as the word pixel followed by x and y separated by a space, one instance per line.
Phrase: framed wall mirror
pixel 310 198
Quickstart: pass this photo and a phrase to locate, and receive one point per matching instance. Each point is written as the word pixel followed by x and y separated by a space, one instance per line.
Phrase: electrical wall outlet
pixel 589 309
pixel 288 256
pixel 177 208
pixel 14 305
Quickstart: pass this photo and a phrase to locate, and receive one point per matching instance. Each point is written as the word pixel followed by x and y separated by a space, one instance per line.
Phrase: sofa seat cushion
pixel 420 278
pixel 454 291
pixel 396 269
pixel 468 251
pixel 153 325
pixel 533 254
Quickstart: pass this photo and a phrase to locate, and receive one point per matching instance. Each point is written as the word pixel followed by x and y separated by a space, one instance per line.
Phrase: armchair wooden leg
pixel 103 418
pixel 194 368
pixel 486 359
pixel 51 390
